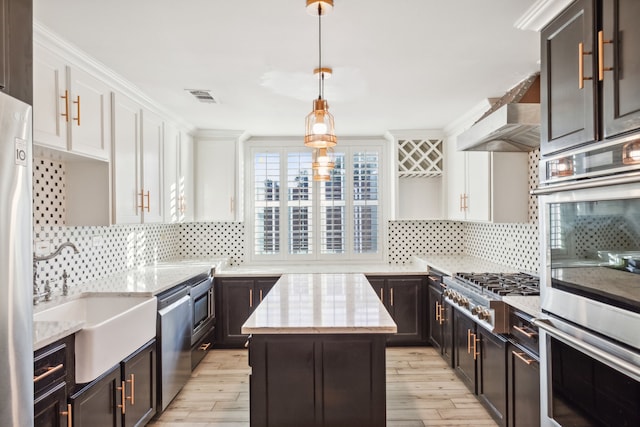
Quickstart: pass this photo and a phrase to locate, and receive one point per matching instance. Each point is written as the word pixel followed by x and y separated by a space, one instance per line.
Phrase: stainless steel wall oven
pixel 590 285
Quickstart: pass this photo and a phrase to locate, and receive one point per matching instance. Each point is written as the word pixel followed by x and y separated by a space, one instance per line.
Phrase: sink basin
pixel 115 326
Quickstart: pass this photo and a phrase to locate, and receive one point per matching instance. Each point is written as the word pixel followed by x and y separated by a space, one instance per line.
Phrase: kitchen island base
pixel 317 380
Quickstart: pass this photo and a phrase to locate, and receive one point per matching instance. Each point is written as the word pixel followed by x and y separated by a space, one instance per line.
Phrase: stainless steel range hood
pixel 511 124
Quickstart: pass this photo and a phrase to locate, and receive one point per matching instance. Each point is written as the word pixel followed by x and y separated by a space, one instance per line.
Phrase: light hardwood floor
pixel 421 391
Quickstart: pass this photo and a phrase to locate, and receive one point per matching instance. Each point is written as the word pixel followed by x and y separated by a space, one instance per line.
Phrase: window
pixel 337 219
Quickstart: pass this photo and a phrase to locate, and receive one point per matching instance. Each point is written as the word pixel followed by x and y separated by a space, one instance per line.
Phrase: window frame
pixel 348 146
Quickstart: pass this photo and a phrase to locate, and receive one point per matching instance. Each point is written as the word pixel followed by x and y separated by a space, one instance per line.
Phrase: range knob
pixel 484 314
pixel 463 302
pixel 476 310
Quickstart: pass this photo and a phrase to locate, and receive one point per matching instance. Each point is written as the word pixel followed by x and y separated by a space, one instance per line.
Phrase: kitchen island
pixel 317 353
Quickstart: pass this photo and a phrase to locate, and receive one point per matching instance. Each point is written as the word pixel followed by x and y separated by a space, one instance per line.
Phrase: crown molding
pixel 217 134
pixel 463 122
pixel 396 134
pixel 540 14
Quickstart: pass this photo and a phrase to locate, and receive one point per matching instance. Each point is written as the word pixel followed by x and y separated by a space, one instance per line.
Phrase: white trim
pixel 465 121
pixel 540 14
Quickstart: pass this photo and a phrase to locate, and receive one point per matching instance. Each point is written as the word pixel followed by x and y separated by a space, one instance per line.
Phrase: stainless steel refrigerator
pixel 16 281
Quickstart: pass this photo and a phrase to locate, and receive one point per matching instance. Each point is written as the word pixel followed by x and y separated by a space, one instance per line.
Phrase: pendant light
pixel 322 164
pixel 319 124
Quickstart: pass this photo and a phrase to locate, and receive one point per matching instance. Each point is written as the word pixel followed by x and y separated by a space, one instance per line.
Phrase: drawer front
pixel 523 331
pixel 49 366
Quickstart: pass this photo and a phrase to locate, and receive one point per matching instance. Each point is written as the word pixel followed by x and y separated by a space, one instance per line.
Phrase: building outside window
pixel 293 217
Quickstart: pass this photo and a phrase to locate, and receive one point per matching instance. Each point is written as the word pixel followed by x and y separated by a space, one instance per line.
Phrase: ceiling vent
pixel 203 95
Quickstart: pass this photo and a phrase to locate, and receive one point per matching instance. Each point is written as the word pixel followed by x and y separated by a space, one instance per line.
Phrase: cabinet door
pixel 170 166
pixel 139 375
pixel 90 111
pixel 478 180
pixel 435 321
pixel 621 90
pixel 492 375
pixel 186 202
pixel 216 171
pixel 524 389
pixel 100 403
pixel 50 409
pixel 127 195
pixel 237 303
pixel 50 100
pixel 456 176
pixel 152 136
pixel 262 287
pixel 406 306
pixel 447 333
pixel 465 357
pixel 16 52
pixel 567 99
pixel 378 285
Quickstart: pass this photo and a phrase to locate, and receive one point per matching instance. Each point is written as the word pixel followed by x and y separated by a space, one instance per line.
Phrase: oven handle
pixel 617 363
pixel 589 183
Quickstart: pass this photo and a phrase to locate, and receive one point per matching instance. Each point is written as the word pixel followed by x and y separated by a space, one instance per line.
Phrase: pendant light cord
pixel 321 76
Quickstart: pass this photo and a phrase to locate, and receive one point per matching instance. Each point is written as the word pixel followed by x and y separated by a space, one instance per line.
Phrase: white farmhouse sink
pixel 115 326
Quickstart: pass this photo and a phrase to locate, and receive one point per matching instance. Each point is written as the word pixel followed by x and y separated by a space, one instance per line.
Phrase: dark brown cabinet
pixel 404 297
pixel 236 298
pixel 492 374
pixel 16 49
pixel 466 349
pixel 590 74
pixel 440 322
pixel 53 368
pixel 523 377
pixel 125 395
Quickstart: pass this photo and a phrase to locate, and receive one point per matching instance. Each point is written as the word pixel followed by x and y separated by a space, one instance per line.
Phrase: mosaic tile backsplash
pixel 104 251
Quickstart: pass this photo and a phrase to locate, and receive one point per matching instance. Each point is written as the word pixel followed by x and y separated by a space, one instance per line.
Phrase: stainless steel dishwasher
pixel 174 336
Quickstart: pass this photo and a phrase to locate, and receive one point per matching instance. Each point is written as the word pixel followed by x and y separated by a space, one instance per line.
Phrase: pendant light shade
pixel 319 7
pixel 319 126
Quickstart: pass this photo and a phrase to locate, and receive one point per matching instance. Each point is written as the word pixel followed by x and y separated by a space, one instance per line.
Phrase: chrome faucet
pixel 47 291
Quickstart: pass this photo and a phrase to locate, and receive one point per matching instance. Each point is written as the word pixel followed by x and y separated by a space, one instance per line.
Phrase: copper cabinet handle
pixel 521 357
pixel 381 295
pixel 205 347
pixel 525 333
pixel 581 77
pixel 601 67
pixel 469 341
pixel 442 313
pixel 148 196
pixel 460 203
pixel 77 101
pixel 142 196
pixel 260 291
pixel 123 398
pixel 68 414
pixel 476 353
pixel 49 371
pixel 132 398
pixel 250 298
pixel 391 297
pixel 66 105
pixel 438 312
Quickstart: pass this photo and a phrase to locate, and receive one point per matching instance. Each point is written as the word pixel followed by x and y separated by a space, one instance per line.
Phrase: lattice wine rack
pixel 419 158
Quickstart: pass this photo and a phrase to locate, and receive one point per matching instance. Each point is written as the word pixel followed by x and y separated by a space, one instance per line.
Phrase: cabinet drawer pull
pixel 48 372
pixel 260 291
pixel 132 398
pixel 521 357
pixel 442 313
pixel 381 295
pixel 66 105
pixel 581 77
pixel 469 341
pixel 77 101
pixel 205 347
pixel 148 196
pixel 123 397
pixel 438 319
pixel 601 67
pixel 250 298
pixel 524 332
pixel 391 297
pixel 68 414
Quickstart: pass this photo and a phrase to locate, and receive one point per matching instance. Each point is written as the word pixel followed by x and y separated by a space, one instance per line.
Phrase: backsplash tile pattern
pixel 514 245
pixel 213 239
pixel 534 180
pixel 408 238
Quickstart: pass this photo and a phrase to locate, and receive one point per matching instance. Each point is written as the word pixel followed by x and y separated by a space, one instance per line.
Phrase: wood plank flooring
pixel 421 391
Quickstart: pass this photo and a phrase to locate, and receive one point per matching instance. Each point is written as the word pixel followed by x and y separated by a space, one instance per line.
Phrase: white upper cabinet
pixel 171 186
pixel 152 168
pixel 486 186
pixel 186 200
pixel 217 169
pixel 71 107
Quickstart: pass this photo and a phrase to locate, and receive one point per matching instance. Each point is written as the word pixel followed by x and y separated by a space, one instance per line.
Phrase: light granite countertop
pixel 327 303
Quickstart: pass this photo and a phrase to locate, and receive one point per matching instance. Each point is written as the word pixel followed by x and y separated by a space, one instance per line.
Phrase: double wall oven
pixel 590 286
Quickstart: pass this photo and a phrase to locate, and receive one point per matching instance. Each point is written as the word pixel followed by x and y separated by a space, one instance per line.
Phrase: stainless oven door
pixel 591 257
pixel 586 380
pixel 203 316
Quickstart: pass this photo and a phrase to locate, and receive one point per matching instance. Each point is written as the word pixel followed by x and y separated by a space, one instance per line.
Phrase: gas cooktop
pixel 502 284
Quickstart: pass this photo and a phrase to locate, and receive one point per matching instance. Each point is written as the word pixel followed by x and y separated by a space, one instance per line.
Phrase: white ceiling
pixel 403 64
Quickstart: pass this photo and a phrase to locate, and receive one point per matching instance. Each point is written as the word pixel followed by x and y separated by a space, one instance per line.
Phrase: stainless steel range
pixel 479 295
